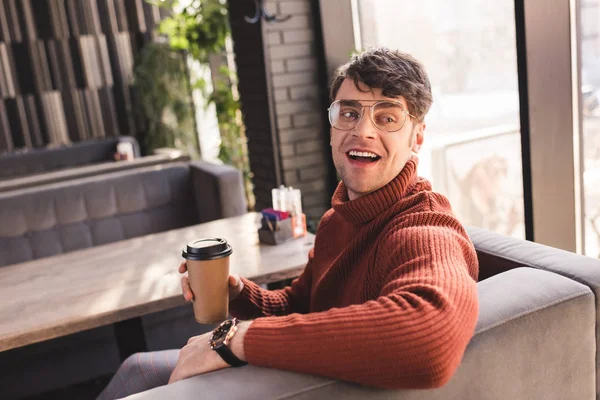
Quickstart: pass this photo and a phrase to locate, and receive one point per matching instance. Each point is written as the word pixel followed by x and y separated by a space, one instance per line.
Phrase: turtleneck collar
pixel 367 207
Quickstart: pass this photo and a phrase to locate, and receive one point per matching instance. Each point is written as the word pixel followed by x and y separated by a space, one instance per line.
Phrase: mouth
pixel 364 157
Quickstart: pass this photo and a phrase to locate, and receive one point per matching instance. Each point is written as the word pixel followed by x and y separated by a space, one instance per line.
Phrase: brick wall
pixel 294 74
pixel 254 98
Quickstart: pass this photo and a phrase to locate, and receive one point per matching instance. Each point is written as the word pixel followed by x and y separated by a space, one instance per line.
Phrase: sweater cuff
pixel 268 338
pixel 257 339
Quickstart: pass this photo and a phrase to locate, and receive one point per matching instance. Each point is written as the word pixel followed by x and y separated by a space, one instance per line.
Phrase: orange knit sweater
pixel 388 297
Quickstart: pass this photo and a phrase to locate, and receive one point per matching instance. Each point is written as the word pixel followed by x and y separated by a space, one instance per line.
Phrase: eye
pixel 386 119
pixel 349 114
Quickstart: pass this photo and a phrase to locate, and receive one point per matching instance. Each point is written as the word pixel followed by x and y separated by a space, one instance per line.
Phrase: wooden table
pixel 56 296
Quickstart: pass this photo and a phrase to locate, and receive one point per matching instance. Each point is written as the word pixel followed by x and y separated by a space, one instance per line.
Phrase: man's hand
pixel 198 358
pixel 235 285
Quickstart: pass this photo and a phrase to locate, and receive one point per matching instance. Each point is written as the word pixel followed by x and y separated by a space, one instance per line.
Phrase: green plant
pixel 161 85
pixel 233 149
pixel 202 29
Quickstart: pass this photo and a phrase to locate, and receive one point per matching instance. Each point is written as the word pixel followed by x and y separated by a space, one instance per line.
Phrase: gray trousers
pixel 140 372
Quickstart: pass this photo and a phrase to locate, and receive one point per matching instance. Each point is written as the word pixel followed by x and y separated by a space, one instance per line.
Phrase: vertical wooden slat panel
pixel 121 15
pixel 109 112
pixel 14 26
pixel 66 68
pixel 7 62
pixel 39 56
pixel 6 142
pixel 79 115
pixel 92 18
pixel 5 75
pixel 54 116
pixel 43 18
pixel 72 17
pixel 94 113
pixel 17 118
pixel 55 65
pixel 104 61
pixel 26 15
pixel 108 17
pixel 62 27
pixel 33 119
pixel 90 61
pixel 4 24
pixel 135 15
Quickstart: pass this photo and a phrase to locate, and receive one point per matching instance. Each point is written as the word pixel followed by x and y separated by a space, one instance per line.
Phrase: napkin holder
pixel 275 232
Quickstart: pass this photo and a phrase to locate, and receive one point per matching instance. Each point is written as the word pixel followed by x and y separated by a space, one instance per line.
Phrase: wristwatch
pixel 220 339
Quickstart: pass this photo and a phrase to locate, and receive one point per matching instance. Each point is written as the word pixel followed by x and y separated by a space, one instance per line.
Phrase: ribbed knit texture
pixel 388 297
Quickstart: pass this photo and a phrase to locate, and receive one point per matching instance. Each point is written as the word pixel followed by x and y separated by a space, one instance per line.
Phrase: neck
pixel 359 208
pixel 352 195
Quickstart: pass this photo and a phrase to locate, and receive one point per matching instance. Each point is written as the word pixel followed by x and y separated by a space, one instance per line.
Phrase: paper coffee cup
pixel 208 270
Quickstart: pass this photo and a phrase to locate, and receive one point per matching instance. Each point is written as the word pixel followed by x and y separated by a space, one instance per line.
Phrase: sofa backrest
pixel 85 171
pixel 58 218
pixel 498 253
pixel 51 159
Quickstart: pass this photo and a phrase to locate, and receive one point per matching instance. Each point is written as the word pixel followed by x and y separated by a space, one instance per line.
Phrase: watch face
pixel 220 333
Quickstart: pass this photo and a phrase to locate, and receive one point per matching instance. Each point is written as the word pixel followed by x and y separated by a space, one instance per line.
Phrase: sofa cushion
pixel 534 340
pixel 72 215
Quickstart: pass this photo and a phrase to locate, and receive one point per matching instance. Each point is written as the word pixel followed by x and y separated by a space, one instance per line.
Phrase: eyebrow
pixel 350 102
pixel 390 104
pixel 359 102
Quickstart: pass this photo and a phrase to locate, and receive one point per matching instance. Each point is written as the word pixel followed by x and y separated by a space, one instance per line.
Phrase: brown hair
pixel 395 73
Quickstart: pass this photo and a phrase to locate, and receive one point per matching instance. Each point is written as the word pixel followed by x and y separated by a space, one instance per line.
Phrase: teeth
pixel 363 154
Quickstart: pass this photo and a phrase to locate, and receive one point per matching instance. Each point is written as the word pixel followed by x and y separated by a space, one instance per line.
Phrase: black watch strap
pixel 228 356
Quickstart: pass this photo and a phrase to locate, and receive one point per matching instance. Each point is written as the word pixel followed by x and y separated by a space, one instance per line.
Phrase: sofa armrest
pixel 219 191
pixel 534 339
pixel 499 253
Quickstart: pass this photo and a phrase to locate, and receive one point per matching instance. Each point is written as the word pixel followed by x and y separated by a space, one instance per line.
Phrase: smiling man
pixel 388 297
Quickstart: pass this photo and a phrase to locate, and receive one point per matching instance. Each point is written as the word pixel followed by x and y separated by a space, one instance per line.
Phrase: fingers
pixel 236 285
pixel 182 268
pixel 234 281
pixel 186 289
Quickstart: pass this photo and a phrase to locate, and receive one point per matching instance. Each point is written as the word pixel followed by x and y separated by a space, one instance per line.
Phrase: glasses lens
pixel 389 116
pixel 344 115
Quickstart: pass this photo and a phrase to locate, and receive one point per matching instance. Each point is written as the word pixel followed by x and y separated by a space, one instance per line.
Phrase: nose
pixel 365 128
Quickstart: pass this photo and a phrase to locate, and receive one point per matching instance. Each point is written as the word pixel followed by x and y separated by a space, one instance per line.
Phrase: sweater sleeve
pixel 412 336
pixel 254 301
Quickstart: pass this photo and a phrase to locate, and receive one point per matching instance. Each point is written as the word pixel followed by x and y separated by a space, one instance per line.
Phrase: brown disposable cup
pixel 207 263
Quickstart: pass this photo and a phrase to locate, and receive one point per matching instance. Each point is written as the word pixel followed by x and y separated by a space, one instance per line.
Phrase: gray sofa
pixel 84 171
pixel 66 216
pixel 535 339
pixel 23 163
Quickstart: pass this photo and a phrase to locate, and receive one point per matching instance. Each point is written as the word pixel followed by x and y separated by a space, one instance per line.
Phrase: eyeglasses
pixel 386 115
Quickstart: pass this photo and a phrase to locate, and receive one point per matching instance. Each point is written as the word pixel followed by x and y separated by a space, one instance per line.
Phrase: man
pixel 388 297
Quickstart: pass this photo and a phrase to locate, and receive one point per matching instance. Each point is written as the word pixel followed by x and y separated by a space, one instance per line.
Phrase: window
pixel 472 150
pixel 590 92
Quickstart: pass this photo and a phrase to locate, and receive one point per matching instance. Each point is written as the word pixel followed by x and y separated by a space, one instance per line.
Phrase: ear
pixel 419 137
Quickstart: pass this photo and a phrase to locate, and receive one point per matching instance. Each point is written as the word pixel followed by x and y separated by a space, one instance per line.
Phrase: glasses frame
pixel 375 102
